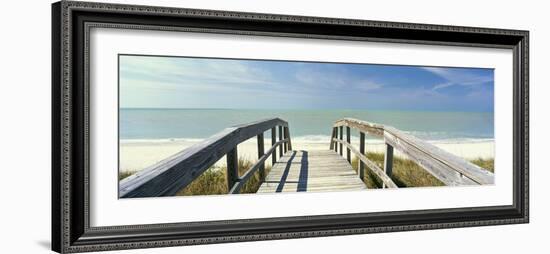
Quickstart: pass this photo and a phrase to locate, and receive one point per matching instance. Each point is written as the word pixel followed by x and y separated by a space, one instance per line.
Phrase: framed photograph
pixel 182 126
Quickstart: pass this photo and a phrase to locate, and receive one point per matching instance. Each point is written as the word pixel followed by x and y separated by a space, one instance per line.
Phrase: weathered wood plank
pixel 292 187
pixel 280 138
pixel 348 139
pixel 285 148
pixel 437 168
pixel 232 168
pixel 456 163
pixel 325 180
pixel 450 169
pixel 370 128
pixel 333 135
pixel 311 171
pixel 350 178
pixel 372 166
pixel 319 169
pixel 388 162
pixel 241 181
pixel 287 136
pixel 169 176
pixel 260 142
pixel 322 173
pixel 341 132
pixel 297 174
pixel 361 151
pixel 273 141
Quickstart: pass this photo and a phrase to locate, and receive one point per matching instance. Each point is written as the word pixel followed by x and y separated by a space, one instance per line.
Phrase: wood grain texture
pixel 361 151
pixel 273 141
pixel 261 169
pixel 241 181
pixel 333 135
pixel 450 169
pixel 287 136
pixel 367 127
pixel 386 180
pixel 280 138
pixel 348 139
pixel 232 168
pixel 388 162
pixel 439 162
pixel 172 174
pixel 309 171
pixel 341 133
pixel 285 145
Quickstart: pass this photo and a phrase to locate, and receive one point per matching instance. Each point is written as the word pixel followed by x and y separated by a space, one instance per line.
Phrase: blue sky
pixel 179 82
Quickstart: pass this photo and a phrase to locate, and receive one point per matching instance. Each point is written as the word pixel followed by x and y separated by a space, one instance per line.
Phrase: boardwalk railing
pixel 169 176
pixel 448 168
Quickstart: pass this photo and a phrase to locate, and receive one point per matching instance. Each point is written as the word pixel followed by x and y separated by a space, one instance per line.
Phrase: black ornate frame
pixel 71 22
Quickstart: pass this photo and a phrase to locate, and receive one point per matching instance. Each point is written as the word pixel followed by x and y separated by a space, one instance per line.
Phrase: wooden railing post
pixel 186 167
pixel 287 135
pixel 232 168
pixel 285 144
pixel 448 168
pixel 273 141
pixel 341 132
pixel 280 138
pixel 388 161
pixel 361 167
pixel 348 139
pixel 260 154
pixel 332 136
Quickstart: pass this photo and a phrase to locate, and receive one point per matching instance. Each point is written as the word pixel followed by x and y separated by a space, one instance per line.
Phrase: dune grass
pixel 406 173
pixel 488 164
pixel 124 174
pixel 214 180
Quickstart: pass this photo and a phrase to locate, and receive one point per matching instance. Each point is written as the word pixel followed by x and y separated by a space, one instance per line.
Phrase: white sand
pixel 136 155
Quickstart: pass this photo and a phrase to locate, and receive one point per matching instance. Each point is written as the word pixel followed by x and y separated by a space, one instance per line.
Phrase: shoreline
pixel 137 154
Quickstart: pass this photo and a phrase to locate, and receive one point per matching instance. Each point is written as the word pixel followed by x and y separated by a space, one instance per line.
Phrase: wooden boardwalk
pixel 300 170
pixel 309 171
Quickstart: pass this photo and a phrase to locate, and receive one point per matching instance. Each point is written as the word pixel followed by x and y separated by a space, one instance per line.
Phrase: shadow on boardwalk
pixel 301 171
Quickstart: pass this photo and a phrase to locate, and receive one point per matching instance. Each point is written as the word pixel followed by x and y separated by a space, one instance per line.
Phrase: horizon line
pixel 327 109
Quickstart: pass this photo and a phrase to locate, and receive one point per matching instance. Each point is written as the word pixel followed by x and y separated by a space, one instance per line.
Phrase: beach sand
pixel 139 154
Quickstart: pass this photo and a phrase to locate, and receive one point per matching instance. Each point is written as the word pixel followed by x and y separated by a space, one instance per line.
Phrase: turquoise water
pixel 314 125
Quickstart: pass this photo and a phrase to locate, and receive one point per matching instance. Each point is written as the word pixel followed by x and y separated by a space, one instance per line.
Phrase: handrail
pixel 447 167
pixel 170 175
pixel 250 172
pixel 377 170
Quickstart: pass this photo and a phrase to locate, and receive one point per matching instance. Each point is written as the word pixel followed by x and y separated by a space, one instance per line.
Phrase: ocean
pixel 306 125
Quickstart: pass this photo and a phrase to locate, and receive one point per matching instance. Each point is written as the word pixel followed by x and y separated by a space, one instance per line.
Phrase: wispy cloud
pixel 335 80
pixel 191 72
pixel 458 77
pixel 442 85
pixel 367 85
pixel 201 82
